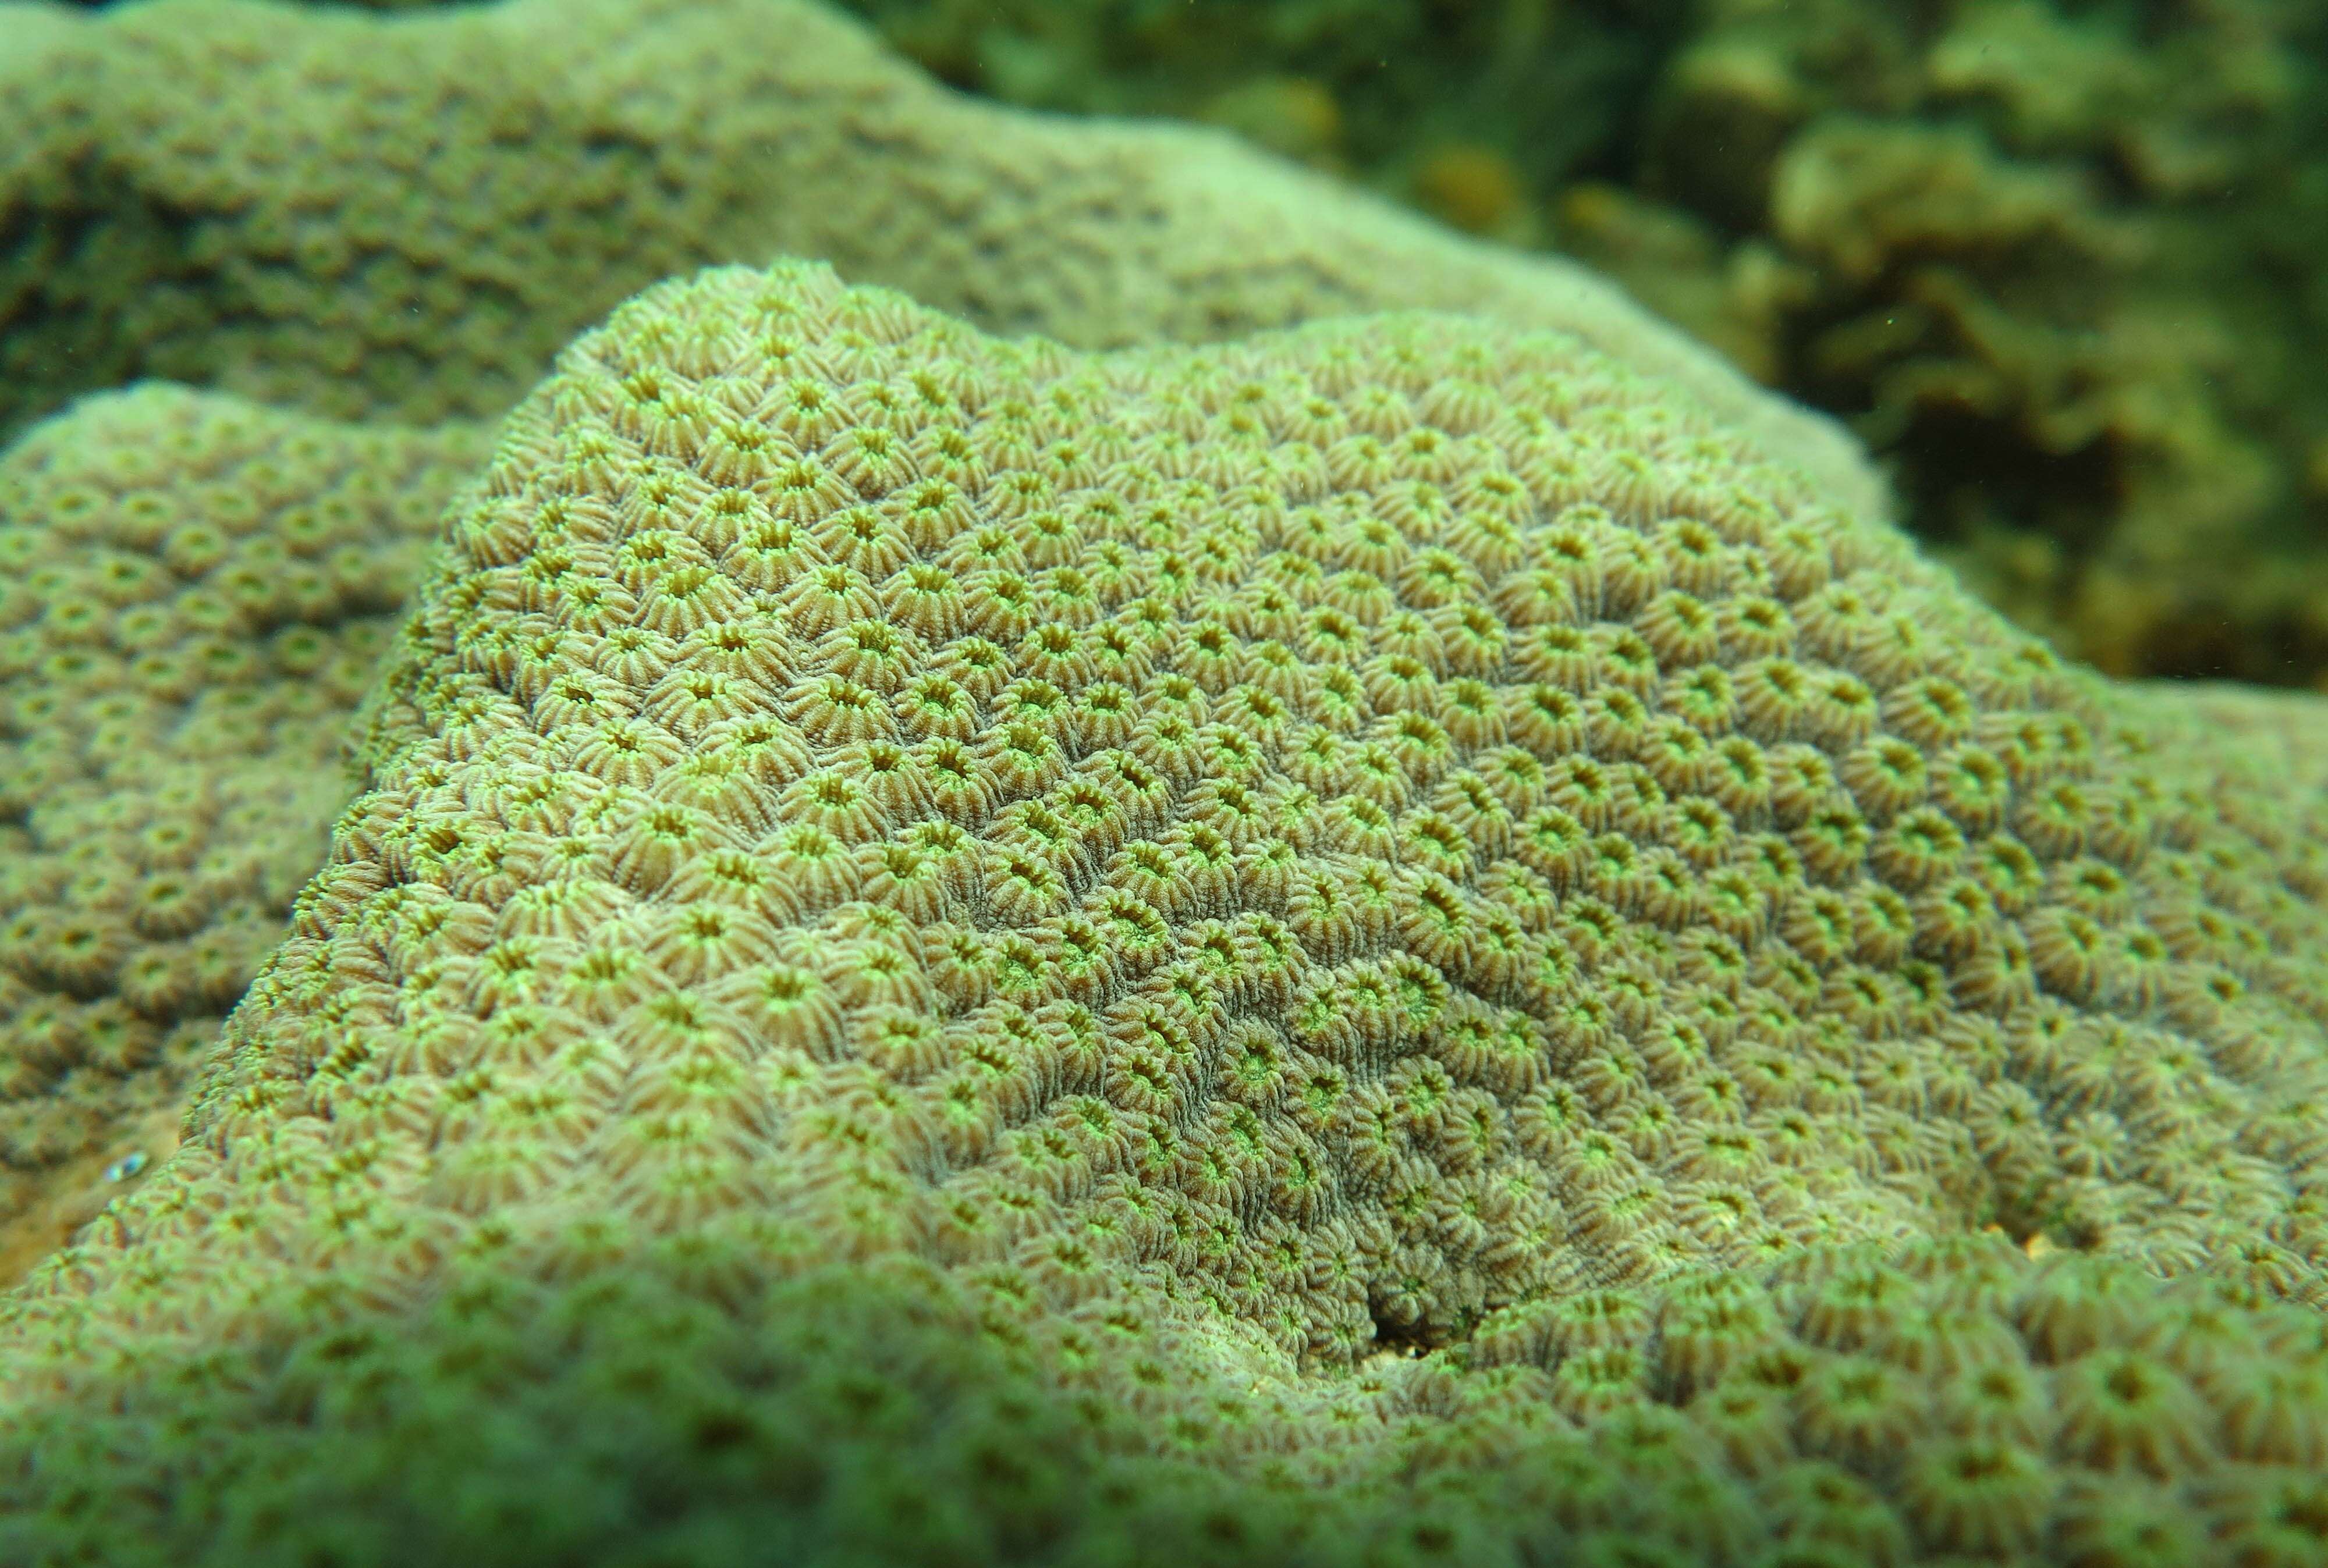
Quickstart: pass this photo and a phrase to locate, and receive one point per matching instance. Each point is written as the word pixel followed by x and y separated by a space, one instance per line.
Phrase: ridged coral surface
pixel 195 595
pixel 364 216
pixel 1379 941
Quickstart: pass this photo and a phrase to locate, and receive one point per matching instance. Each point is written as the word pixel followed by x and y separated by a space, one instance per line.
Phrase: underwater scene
pixel 1408 783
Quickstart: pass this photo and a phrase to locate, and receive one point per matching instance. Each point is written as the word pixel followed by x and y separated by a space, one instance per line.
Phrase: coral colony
pixel 898 930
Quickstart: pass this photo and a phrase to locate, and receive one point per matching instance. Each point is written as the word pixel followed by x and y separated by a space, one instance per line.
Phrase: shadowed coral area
pixel 408 217
pixel 193 597
pixel 803 1414
pixel 1384 926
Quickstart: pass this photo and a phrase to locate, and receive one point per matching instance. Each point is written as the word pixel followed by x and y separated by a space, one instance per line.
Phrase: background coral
pixel 2058 260
pixel 1384 908
pixel 359 215
pixel 193 594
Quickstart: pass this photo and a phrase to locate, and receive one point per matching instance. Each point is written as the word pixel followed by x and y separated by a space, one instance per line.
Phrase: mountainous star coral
pixel 1377 940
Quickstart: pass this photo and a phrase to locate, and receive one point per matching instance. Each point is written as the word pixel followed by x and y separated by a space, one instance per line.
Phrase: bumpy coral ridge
pixel 1370 897
pixel 193 597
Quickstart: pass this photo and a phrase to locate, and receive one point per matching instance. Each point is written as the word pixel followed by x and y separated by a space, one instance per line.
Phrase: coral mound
pixel 1377 939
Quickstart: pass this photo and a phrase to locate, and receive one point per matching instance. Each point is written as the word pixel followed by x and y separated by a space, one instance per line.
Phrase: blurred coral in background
pixel 2057 261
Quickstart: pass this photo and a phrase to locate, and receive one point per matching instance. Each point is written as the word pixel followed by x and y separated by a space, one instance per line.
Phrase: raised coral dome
pixel 1374 941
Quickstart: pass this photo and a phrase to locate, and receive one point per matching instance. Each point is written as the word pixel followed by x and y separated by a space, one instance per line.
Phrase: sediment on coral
pixel 1381 937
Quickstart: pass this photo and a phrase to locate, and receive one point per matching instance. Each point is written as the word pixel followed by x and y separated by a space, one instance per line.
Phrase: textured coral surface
pixel 404 221
pixel 193 597
pixel 1377 941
